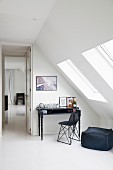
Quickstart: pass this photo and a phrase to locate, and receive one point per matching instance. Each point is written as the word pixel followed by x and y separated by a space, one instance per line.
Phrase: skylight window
pixel 100 59
pixel 108 48
pixel 80 81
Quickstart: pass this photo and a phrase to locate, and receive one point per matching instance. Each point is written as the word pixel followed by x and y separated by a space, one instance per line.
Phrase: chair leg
pixel 75 133
pixel 64 131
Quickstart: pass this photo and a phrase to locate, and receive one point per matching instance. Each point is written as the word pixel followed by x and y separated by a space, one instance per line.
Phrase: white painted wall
pixel 0 91
pixel 19 81
pixel 73 27
pixel 41 66
pixel 15 63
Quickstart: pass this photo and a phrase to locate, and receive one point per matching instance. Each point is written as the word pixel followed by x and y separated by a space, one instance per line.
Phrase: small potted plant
pixel 74 102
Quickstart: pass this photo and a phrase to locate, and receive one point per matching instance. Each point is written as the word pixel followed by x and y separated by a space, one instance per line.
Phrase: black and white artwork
pixel 46 83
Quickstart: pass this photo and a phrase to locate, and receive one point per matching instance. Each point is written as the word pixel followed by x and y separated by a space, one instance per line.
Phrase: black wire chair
pixel 68 130
pixel 20 97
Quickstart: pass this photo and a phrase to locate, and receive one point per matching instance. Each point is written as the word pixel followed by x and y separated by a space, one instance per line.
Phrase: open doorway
pixel 16 118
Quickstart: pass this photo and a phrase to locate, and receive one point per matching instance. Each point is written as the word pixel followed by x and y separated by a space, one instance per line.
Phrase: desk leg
pixel 39 123
pixel 41 126
pixel 79 128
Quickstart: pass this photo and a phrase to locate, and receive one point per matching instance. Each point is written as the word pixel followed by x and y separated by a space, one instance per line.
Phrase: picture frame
pixel 46 83
pixel 71 102
pixel 62 102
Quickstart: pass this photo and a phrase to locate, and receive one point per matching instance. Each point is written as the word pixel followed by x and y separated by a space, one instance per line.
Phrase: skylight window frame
pixel 82 82
pixel 82 77
pixel 108 48
pixel 105 55
pixel 105 60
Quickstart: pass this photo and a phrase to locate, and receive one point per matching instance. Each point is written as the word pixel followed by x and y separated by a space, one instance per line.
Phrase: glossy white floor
pixel 20 151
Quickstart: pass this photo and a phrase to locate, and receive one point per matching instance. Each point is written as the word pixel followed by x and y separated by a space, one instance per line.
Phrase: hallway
pixel 15 121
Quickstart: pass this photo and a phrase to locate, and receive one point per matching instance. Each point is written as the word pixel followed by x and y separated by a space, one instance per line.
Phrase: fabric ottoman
pixel 97 138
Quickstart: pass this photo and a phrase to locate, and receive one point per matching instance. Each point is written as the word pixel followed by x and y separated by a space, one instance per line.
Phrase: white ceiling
pixel 22 20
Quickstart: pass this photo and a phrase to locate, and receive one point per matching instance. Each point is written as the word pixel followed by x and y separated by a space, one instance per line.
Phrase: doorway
pixel 17 116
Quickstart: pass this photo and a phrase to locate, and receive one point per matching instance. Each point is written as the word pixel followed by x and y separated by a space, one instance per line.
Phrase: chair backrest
pixel 20 95
pixel 74 118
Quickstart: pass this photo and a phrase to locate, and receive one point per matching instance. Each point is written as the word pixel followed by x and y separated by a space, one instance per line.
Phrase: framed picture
pixel 71 102
pixel 46 83
pixel 62 101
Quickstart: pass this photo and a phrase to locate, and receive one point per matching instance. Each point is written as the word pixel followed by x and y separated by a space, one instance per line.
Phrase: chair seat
pixel 67 123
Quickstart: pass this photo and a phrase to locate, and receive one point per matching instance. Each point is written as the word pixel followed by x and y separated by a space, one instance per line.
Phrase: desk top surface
pixel 59 108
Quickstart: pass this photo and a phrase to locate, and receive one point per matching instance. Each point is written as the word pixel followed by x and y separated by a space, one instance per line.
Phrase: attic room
pixel 51 33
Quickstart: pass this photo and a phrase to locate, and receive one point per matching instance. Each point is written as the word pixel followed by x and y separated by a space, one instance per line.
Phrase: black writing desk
pixel 55 111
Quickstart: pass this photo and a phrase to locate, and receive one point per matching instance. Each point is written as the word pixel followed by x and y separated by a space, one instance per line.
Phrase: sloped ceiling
pixel 73 27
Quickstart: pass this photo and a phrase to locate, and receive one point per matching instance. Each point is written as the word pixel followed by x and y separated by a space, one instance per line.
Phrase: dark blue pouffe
pixel 97 138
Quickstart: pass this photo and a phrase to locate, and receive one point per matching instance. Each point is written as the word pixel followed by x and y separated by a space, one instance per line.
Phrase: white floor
pixel 20 151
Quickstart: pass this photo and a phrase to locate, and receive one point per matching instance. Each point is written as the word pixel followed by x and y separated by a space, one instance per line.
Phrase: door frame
pixel 2 78
pixel 28 108
pixel 1 91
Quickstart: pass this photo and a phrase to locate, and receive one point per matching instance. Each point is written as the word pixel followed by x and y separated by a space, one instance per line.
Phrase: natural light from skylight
pixel 80 81
pixel 101 60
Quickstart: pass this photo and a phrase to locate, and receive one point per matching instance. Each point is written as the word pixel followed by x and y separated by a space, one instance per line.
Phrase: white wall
pixel 0 91
pixel 15 63
pixel 73 27
pixel 19 81
pixel 41 66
